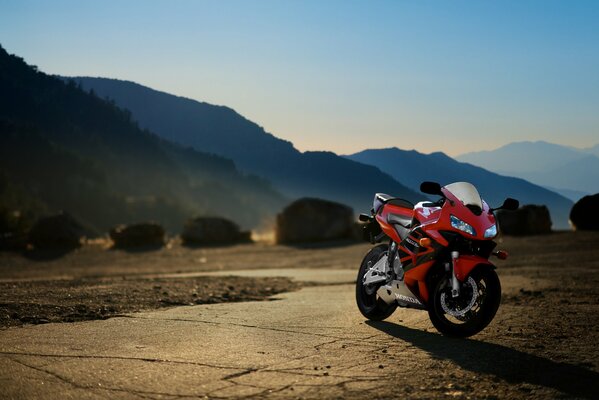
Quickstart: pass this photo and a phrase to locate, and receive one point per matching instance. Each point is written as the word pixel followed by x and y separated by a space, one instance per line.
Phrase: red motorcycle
pixel 437 258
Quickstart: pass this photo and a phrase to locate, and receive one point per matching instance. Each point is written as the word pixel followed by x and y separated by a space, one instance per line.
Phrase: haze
pixel 339 75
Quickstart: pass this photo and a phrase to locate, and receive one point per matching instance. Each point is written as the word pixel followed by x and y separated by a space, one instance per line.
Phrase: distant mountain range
pixel 592 150
pixel 412 167
pixel 64 148
pixel 568 170
pixel 221 130
pixel 112 151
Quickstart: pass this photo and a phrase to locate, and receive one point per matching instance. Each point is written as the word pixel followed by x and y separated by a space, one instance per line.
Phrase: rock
pixel 584 215
pixel 13 230
pixel 314 220
pixel 213 230
pixel 59 231
pixel 148 234
pixel 13 241
pixel 527 220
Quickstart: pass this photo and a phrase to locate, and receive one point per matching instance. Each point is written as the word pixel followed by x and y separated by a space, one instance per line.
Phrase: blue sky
pixel 453 76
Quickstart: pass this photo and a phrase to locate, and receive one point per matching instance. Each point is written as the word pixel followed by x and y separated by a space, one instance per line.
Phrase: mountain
pixel 593 150
pixel 521 157
pixel 72 150
pixel 551 165
pixel 573 195
pixel 223 131
pixel 412 167
pixel 580 175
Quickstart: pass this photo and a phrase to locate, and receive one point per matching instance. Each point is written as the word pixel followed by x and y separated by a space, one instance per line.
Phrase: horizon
pixel 342 77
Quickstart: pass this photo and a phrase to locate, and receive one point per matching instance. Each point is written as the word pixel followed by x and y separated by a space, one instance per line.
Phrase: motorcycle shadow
pixel 503 362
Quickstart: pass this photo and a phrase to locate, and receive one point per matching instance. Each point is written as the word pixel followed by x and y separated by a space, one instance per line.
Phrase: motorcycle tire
pixel 486 309
pixel 370 305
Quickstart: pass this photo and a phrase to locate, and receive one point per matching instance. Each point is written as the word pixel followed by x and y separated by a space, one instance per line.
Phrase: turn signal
pixel 424 242
pixel 501 254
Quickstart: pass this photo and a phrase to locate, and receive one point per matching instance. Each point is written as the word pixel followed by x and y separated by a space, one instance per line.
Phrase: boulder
pixel 59 231
pixel 584 215
pixel 314 220
pixel 13 230
pixel 212 230
pixel 527 220
pixel 13 241
pixel 145 234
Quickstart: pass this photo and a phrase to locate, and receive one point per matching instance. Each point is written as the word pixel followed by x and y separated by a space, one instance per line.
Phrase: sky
pixel 451 76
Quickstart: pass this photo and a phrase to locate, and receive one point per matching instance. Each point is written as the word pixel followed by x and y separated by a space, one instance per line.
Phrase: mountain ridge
pixel 93 160
pixel 205 126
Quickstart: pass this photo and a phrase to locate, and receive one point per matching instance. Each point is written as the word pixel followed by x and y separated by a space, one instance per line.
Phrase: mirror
pixel 510 204
pixel 431 188
pixel 364 217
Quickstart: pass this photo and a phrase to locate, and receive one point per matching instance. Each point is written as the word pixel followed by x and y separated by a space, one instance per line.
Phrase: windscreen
pixel 466 193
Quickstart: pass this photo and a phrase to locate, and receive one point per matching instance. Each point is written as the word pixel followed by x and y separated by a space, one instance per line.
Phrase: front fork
pixel 455 284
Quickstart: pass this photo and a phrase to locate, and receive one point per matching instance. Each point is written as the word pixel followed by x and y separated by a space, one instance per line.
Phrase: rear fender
pixel 466 263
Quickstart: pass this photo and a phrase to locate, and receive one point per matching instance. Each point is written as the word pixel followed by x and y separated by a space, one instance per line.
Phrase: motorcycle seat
pixel 401 223
pixel 397 219
pixel 380 199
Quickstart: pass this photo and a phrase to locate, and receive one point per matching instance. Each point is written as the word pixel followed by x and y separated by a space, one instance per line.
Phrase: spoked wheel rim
pixel 469 317
pixel 369 303
pixel 468 305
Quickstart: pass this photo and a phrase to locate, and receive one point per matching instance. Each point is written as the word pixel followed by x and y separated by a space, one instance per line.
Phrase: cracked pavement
pixel 312 343
pixel 309 344
pixel 288 346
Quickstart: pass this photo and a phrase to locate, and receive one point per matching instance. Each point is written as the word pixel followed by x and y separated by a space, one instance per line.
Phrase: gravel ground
pixel 38 302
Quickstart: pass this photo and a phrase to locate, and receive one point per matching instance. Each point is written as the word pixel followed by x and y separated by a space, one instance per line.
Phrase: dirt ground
pixel 81 299
pixel 97 282
pixel 543 342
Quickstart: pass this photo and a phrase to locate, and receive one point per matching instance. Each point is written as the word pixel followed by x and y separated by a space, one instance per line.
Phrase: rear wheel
pixel 472 310
pixel 369 303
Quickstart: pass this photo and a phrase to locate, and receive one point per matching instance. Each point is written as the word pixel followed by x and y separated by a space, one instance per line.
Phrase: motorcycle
pixel 436 258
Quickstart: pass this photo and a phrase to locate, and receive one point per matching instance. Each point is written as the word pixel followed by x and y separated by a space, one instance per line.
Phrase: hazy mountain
pixel 412 167
pixel 573 195
pixel 547 164
pixel 593 150
pixel 523 157
pixel 581 175
pixel 75 151
pixel 223 131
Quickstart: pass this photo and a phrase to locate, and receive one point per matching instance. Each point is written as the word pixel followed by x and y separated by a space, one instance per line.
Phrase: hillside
pixel 223 131
pixel 75 151
pixel 413 167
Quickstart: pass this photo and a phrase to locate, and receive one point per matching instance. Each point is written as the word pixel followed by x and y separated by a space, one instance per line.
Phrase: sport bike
pixel 436 258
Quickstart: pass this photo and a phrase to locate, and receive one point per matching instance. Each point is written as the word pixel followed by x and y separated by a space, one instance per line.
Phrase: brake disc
pixel 452 307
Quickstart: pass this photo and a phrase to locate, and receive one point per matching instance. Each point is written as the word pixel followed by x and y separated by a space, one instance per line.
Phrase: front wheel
pixel 369 304
pixel 472 310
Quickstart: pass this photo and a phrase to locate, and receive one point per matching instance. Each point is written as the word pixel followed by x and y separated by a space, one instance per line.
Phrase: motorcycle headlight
pixel 491 232
pixel 461 225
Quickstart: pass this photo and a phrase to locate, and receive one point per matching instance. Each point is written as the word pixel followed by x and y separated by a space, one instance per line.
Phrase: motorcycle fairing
pixel 466 263
pixel 417 260
pixel 400 292
pixel 412 254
